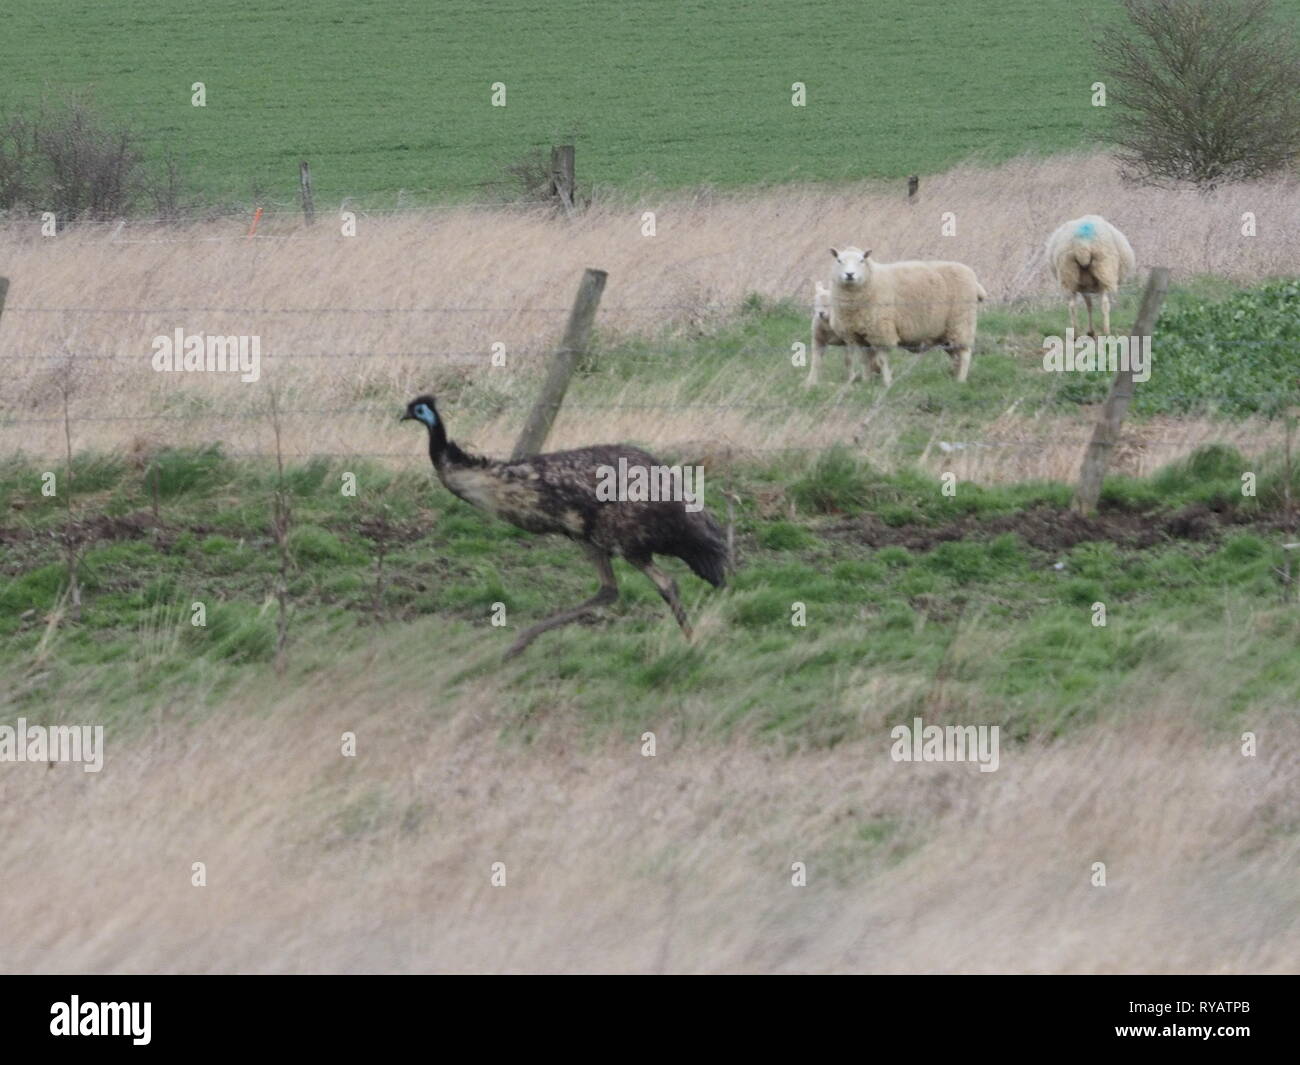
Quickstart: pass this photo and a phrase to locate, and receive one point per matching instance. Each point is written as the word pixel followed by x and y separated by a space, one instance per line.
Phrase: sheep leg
pixel 1073 301
pixel 1105 314
pixel 856 357
pixel 668 589
pixel 815 360
pixel 877 360
pixel 1087 298
pixel 608 594
pixel 960 355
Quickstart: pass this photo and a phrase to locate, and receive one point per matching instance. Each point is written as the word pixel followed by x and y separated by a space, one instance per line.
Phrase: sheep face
pixel 851 268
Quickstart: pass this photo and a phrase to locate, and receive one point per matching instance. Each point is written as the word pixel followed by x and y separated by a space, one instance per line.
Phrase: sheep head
pixel 851 267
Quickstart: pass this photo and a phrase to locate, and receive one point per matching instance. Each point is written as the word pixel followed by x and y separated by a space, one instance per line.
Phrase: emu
pixel 557 493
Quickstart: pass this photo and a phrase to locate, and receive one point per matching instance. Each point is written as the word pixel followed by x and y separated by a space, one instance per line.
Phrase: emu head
pixel 422 409
pixel 851 266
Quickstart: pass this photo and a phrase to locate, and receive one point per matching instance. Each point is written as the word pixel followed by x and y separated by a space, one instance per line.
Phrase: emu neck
pixel 444 452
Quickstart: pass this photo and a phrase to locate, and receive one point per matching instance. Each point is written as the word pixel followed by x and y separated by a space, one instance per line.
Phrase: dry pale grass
pixel 621 863
pixel 417 301
pixel 1014 447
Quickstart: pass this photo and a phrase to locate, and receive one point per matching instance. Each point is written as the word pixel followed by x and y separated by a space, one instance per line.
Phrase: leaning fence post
pixel 1105 434
pixel 572 347
pixel 304 183
pixel 4 291
pixel 562 179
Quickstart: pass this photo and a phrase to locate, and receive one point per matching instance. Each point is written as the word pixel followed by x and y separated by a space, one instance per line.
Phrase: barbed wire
pixel 791 300
pixel 475 357
pixel 283 209
pixel 420 455
pixel 493 406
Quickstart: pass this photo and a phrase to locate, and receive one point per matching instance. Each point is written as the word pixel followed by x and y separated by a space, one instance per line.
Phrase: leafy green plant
pixel 1234 357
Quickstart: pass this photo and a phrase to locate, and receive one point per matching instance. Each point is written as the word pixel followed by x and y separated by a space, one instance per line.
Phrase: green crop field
pixel 396 95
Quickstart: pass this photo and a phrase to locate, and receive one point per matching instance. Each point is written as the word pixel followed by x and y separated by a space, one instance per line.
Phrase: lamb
pixel 823 335
pixel 1087 256
pixel 912 305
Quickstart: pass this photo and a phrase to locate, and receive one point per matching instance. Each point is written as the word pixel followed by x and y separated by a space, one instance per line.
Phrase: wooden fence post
pixel 4 291
pixel 304 183
pixel 572 347
pixel 1105 435
pixel 562 175
pixel 913 187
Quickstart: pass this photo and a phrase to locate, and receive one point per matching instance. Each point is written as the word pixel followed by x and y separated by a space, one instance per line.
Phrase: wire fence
pixel 857 403
pixel 496 406
pixel 463 198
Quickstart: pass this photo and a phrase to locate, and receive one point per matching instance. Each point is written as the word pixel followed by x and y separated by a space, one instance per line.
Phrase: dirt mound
pixel 1051 528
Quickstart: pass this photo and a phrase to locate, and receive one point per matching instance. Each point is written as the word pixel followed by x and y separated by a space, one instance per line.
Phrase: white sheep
pixel 1087 256
pixel 911 305
pixel 823 335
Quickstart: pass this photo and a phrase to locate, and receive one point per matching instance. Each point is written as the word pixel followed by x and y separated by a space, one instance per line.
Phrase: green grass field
pixel 976 604
pixel 395 95
pixel 931 597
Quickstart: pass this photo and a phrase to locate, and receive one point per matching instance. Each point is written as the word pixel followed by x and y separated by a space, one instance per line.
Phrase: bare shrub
pixel 529 177
pixel 71 159
pixel 166 190
pixel 1205 90
pixel 17 155
pixel 530 174
pixel 90 165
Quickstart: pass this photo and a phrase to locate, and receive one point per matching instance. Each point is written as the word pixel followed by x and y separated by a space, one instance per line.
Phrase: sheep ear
pixel 834 254
pixel 866 253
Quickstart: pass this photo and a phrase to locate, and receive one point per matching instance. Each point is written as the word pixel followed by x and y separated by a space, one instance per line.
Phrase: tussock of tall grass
pixel 416 303
pixel 618 862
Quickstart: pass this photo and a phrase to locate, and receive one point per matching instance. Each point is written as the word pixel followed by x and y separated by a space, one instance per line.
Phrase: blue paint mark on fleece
pixel 1086 230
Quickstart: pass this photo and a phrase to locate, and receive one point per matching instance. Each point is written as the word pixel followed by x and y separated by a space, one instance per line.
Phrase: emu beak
pixel 407 417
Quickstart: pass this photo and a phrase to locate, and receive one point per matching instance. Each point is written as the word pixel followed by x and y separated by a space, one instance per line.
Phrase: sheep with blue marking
pixel 1089 257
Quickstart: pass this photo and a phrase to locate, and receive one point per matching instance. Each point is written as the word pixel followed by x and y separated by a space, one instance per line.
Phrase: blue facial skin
pixel 1085 230
pixel 425 415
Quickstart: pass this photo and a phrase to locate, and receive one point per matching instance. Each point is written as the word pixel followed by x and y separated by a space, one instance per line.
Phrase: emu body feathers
pixel 557 493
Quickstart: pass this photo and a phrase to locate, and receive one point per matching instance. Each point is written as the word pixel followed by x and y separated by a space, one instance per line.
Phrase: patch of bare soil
pixel 1054 529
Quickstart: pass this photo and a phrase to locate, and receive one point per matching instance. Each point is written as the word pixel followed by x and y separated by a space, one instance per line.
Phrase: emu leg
pixel 608 593
pixel 668 589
